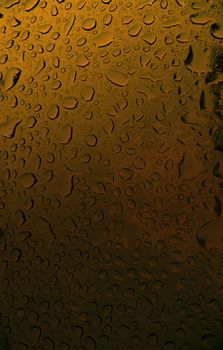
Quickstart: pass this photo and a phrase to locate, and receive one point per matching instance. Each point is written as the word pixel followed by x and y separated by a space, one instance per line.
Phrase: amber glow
pixel 111 140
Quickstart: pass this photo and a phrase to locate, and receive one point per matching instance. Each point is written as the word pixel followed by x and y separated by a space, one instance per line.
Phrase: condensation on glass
pixel 111 175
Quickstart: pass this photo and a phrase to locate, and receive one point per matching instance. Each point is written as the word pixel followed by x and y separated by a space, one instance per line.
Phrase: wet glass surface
pixel 111 175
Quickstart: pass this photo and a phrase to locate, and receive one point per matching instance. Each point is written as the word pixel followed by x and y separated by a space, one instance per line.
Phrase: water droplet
pixel 27 180
pixel 65 134
pixel 8 128
pixel 117 78
pixel 30 4
pixel 89 24
pixel 91 140
pixel 70 102
pixel 126 173
pixel 87 93
pixel 104 39
pixel 217 30
pixel 11 78
pixel 10 3
pixel 53 111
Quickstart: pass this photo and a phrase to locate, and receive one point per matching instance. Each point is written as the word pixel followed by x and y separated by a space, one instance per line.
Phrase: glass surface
pixel 111 175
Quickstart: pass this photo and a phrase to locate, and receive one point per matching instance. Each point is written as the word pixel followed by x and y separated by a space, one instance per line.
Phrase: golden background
pixel 111 140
